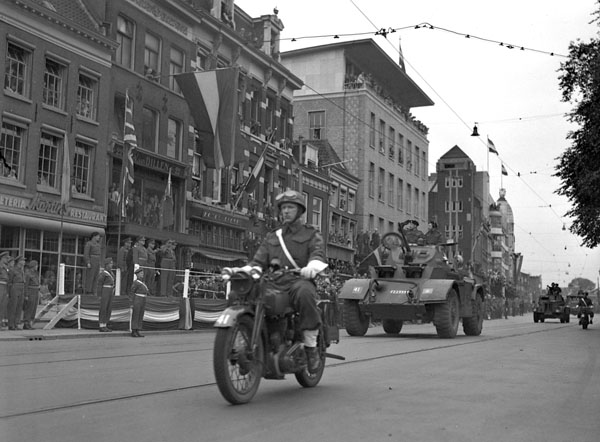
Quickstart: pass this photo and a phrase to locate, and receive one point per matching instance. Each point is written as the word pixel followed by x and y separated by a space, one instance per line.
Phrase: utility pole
pixel 300 138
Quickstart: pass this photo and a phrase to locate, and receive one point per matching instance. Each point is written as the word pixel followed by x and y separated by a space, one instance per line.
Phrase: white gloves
pixel 312 269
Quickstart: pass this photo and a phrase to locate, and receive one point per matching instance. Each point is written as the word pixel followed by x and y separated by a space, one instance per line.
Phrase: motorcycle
pixel 585 314
pixel 258 336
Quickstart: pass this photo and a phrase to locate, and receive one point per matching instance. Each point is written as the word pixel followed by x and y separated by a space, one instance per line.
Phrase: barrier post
pixel 61 280
pixel 78 312
pixel 118 282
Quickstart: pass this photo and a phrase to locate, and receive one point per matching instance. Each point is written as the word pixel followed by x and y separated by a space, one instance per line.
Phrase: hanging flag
pixel 491 146
pixel 167 218
pixel 65 187
pixel 250 184
pixel 129 148
pixel 212 99
pixel 504 172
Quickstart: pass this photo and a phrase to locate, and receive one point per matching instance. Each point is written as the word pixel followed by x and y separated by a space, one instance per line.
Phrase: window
pixel 149 129
pixel 152 57
pixel 125 36
pixel 453 182
pixel 400 149
pixel 81 168
pixel 47 160
pixel 382 137
pixel 16 69
pixel 311 156
pixel 333 201
pixel 372 180
pixel 423 205
pixel 400 194
pixel 409 155
pixel 372 131
pixel 316 121
pixel 196 170
pixel 87 91
pixel 453 206
pixel 176 64
pixel 392 144
pixel 424 163
pixel 351 201
pixel 54 76
pixel 371 223
pixel 417 161
pixel 391 181
pixel 343 198
pixel 174 140
pixel 381 185
pixel 408 204
pixel 454 231
pixel 416 202
pixel 317 208
pixel 12 143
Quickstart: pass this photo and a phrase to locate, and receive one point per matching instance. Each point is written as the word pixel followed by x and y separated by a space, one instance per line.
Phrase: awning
pixel 32 222
pixel 219 256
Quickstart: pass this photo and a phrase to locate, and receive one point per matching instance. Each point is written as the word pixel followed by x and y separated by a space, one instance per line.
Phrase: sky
pixel 513 95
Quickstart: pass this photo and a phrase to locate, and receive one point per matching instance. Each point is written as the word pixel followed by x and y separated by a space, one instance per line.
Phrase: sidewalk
pixel 39 334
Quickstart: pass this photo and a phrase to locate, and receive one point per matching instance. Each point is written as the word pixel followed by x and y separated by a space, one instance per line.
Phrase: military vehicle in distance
pixel 416 283
pixel 552 305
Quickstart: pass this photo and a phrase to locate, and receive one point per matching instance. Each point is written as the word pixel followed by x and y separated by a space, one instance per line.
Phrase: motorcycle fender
pixel 355 289
pixel 229 316
pixel 436 289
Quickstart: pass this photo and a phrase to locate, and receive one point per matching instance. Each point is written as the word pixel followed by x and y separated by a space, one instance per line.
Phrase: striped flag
pixel 504 172
pixel 166 216
pixel 129 148
pixel 65 187
pixel 491 146
pixel 212 99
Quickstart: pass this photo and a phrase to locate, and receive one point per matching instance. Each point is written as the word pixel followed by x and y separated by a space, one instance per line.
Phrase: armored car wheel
pixel 357 323
pixel 446 316
pixel 392 326
pixel 473 325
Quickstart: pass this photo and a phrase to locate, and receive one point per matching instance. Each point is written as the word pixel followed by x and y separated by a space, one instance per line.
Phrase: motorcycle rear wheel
pixel 309 380
pixel 238 371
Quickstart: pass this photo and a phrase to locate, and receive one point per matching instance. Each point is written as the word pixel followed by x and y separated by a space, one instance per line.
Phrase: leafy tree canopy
pixel 579 165
pixel 581 284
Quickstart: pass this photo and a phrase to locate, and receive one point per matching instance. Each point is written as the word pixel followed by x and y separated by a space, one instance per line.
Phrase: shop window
pixel 17 69
pixel 87 93
pixel 47 160
pixel 12 142
pixel 9 238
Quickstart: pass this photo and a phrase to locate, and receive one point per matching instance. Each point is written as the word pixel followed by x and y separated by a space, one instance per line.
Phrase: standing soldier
pixel 151 271
pixel 106 292
pixel 139 292
pixel 122 264
pixel 91 257
pixel 4 290
pixel 139 253
pixel 16 290
pixel 167 262
pixel 32 294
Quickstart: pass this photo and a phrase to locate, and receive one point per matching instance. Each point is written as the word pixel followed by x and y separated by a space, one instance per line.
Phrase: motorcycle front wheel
pixel 238 370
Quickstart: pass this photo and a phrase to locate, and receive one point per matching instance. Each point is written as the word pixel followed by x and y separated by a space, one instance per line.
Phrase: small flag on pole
pixel 129 147
pixel 504 172
pixel 65 188
pixel 250 184
pixel 491 147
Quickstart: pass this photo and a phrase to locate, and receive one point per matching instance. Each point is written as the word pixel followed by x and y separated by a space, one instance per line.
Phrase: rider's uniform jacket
pixel 304 243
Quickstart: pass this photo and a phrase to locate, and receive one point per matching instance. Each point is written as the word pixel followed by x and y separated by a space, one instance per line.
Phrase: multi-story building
pixel 359 99
pixel 55 107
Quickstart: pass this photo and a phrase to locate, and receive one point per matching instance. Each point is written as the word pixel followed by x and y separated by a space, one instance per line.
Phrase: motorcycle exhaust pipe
pixel 332 356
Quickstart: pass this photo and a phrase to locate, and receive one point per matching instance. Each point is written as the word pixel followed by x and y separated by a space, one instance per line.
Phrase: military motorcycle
pixel 585 314
pixel 258 335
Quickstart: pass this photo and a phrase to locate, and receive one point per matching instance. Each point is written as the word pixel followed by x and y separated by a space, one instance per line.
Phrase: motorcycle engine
pixel 291 359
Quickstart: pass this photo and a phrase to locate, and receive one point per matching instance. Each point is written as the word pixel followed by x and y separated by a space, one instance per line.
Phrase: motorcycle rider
pixel 586 302
pixel 296 245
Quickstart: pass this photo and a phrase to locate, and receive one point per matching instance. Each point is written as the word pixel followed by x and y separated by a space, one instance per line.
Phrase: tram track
pixel 337 365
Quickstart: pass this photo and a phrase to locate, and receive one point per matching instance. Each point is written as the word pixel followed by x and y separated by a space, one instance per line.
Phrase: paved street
pixel 519 381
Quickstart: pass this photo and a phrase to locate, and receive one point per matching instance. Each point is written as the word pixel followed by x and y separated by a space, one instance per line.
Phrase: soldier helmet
pixel 291 196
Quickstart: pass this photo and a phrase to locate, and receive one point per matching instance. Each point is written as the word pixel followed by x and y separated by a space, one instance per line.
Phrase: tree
pixel 582 284
pixel 578 167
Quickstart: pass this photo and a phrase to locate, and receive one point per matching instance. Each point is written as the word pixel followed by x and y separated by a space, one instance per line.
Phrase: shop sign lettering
pixel 39 204
pixel 220 217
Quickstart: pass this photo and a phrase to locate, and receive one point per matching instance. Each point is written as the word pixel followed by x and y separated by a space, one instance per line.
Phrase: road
pixel 518 381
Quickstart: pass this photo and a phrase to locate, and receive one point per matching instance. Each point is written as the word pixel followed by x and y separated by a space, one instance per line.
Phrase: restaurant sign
pixel 38 204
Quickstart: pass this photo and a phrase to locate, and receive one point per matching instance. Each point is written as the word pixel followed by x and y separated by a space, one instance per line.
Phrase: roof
pixel 328 157
pixel 455 152
pixel 368 56
pixel 73 10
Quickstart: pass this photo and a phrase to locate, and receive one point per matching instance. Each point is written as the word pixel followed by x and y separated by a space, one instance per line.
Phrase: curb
pixel 52 335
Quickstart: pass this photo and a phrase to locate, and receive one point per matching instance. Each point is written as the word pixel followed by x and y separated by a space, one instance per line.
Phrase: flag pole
pixel 121 208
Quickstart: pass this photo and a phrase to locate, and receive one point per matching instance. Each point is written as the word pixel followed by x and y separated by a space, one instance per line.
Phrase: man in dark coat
pixel 296 245
pixel 92 252
pixel 106 292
